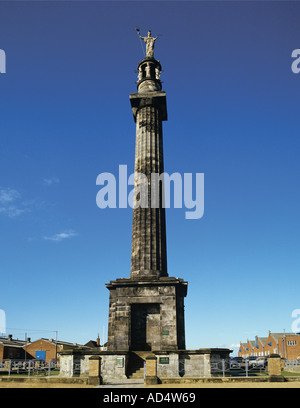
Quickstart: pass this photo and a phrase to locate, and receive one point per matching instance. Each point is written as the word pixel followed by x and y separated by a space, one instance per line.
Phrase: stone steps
pixel 136 364
pixel 138 373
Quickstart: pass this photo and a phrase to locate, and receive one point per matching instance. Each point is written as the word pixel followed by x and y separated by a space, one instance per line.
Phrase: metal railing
pixel 28 367
pixel 234 368
pixel 292 363
pixel 225 368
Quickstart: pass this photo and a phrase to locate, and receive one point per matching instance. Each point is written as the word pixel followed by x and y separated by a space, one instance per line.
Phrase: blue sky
pixel 233 109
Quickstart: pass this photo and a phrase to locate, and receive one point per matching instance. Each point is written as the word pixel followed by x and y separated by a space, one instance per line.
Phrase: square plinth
pixel 146 315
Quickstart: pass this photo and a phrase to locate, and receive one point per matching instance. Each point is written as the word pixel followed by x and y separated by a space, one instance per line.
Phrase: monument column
pixel 146 311
pixel 148 254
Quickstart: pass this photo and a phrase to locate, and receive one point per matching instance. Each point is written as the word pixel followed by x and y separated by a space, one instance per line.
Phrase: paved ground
pixel 139 384
pixel 38 385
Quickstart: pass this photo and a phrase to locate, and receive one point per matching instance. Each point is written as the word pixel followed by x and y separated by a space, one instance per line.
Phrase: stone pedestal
pixel 275 367
pixel 151 370
pixel 146 314
pixel 95 370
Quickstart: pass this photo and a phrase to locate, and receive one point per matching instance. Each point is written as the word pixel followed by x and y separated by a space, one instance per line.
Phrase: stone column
pixel 148 254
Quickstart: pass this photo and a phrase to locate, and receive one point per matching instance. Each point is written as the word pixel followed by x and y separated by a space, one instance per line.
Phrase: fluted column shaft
pixel 148 255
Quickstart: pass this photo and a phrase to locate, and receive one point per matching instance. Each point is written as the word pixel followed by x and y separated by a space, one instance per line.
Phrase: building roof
pixel 10 342
pixel 62 343
pixel 277 336
pixel 262 340
pixel 92 344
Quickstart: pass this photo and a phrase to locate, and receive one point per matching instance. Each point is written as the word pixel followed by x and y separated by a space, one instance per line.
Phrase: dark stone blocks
pixel 146 315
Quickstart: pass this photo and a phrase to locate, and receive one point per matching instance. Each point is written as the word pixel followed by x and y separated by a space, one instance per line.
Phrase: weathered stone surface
pixel 151 366
pixel 274 365
pixel 152 314
pixel 160 364
pixel 148 253
pixel 95 370
pixel 146 312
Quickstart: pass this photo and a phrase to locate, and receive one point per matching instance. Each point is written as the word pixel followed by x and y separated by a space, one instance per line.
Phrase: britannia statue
pixel 149 43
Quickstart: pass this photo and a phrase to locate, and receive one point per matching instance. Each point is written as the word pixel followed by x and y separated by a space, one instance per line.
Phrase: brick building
pixel 242 350
pixel 287 345
pixel 249 348
pixel 259 347
pixel 49 349
pixel 11 348
pixel 292 347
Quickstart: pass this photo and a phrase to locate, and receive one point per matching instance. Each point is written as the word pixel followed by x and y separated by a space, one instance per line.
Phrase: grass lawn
pixel 290 374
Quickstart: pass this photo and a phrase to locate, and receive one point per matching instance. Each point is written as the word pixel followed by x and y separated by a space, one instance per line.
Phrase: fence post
pixel 29 366
pixel 9 368
pixel 246 367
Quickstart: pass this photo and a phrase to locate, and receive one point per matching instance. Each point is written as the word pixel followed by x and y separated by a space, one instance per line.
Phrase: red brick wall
pixel 259 351
pixel 44 346
pixel 241 353
pixel 291 350
pixel 248 352
pixel 270 349
pixel 286 349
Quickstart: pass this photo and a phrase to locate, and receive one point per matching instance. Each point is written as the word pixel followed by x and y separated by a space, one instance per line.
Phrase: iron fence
pixel 28 367
pixel 238 369
pixel 292 363
pixel 225 368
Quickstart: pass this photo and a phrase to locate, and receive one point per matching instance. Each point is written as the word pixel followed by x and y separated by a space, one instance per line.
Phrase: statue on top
pixel 149 43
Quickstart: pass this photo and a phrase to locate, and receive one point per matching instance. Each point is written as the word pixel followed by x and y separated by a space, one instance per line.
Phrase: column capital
pixel 157 99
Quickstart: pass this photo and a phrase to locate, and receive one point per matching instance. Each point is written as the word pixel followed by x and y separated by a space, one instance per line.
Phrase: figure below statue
pixel 149 43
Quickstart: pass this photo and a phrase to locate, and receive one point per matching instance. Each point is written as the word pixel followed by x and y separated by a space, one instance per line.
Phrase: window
pixel 292 343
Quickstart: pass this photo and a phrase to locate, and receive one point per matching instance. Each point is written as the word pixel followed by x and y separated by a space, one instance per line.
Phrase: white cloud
pixel 8 195
pixel 61 236
pixel 50 181
pixel 9 203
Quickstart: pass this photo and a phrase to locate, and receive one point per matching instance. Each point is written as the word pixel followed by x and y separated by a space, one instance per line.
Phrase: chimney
pixel 98 340
pixel 9 337
pixel 28 339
